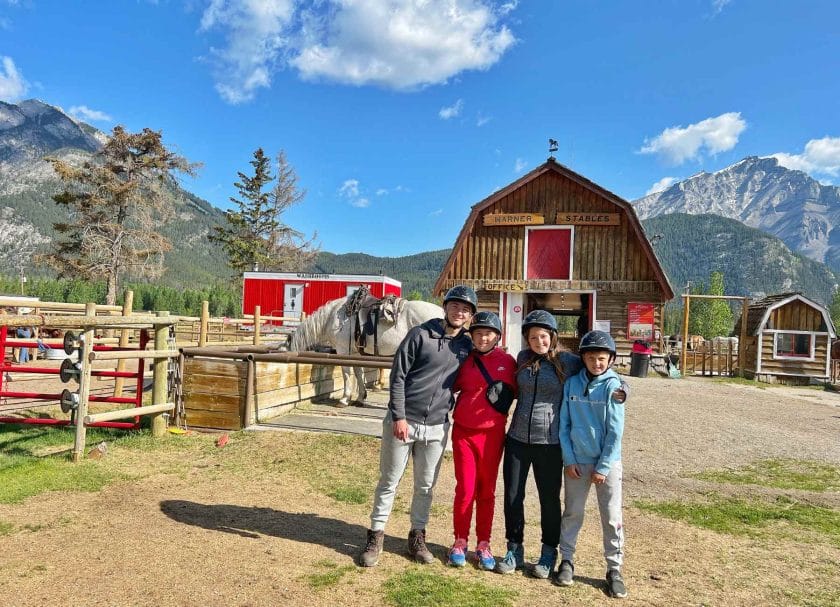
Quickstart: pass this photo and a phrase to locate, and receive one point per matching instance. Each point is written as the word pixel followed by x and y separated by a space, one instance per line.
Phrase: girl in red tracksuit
pixel 478 437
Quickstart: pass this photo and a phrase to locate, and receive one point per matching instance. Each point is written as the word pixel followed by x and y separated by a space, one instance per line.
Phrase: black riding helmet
pixel 597 340
pixel 486 320
pixel 539 318
pixel 463 294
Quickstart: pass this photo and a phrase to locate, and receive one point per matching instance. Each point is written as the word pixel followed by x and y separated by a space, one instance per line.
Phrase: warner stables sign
pixel 562 218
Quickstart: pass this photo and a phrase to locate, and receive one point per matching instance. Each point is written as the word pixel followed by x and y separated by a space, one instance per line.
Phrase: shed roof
pixel 759 312
pixel 551 165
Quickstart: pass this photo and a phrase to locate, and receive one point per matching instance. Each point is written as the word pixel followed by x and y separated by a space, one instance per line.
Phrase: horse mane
pixel 312 331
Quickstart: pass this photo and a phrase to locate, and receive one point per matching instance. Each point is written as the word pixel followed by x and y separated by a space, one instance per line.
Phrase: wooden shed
pixel 788 339
pixel 555 240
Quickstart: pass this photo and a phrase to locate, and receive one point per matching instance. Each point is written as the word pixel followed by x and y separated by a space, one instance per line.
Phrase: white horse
pixel 330 326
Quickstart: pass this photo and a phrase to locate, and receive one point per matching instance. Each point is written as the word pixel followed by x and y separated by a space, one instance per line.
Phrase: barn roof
pixel 759 312
pixel 551 165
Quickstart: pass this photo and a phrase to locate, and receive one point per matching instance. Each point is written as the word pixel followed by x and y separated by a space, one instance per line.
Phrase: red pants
pixel 477 454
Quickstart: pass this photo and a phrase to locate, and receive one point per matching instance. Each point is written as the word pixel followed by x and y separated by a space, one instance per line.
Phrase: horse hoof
pixel 358 403
pixel 341 404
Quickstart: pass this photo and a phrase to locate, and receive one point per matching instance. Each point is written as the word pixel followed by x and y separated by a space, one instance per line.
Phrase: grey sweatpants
pixel 425 445
pixel 609 505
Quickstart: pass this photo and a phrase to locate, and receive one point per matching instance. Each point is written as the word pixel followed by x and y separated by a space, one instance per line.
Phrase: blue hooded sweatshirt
pixel 591 421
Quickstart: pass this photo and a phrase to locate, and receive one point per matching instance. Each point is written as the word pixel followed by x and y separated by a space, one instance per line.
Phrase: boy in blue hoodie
pixel 591 425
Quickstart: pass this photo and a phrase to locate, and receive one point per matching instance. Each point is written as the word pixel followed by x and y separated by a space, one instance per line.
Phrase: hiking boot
pixel 565 575
pixel 417 547
pixel 373 548
pixel 615 584
pixel 514 559
pixel 544 567
pixel 458 553
pixel 484 557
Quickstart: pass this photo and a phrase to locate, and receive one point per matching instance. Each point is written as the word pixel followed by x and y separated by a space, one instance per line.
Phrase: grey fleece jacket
pixel 425 366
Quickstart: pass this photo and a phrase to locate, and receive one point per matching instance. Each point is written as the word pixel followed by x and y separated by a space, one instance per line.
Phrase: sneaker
pixel 417 547
pixel 565 575
pixel 485 558
pixel 544 567
pixel 514 559
pixel 458 553
pixel 615 584
pixel 373 548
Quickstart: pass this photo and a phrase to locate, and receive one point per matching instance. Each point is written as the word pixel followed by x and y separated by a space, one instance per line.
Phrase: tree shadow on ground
pixel 306 527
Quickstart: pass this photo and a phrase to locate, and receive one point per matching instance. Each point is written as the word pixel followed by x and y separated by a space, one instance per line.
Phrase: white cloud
pixel 662 184
pixel 678 144
pixel 382 192
pixel 481 120
pixel 255 34
pixel 719 5
pixel 399 44
pixel 453 111
pixel 13 86
pixel 436 212
pixel 519 165
pixel 349 189
pixel 84 113
pixel 821 156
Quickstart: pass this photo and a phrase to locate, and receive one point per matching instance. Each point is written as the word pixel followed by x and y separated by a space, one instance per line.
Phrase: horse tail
pixel 311 331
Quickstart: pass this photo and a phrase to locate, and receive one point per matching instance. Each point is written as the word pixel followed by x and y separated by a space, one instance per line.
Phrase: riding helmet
pixel 539 318
pixel 597 340
pixel 486 320
pixel 462 293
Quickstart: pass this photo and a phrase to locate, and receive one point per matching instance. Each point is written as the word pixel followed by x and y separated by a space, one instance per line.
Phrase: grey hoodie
pixel 425 366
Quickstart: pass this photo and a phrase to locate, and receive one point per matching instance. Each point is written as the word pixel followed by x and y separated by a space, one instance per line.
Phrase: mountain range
pixel 696 226
pixel 762 194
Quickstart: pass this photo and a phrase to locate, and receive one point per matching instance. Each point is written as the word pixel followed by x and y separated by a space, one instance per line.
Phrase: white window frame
pixel 776 356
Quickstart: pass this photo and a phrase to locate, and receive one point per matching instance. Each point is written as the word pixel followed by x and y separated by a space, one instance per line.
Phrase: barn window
pixel 794 345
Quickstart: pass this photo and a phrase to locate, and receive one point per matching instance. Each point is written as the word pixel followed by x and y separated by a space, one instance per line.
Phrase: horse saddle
pixel 368 317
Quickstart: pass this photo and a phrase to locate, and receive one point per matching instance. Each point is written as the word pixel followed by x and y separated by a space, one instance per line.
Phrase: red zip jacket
pixel 472 409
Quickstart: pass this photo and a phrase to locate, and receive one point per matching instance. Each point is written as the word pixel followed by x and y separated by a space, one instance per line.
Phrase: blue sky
pixel 398 115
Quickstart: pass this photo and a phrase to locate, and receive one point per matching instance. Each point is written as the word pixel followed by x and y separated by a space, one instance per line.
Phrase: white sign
pixel 601 325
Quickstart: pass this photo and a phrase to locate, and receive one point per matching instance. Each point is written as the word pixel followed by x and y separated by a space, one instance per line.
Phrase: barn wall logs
pixel 214 390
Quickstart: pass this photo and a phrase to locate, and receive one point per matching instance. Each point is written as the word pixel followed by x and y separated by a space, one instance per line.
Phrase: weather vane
pixel 552 147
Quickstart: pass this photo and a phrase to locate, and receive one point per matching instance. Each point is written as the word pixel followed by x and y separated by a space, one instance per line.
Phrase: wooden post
pixel 205 320
pixel 257 324
pixel 250 378
pixel 684 352
pixel 160 367
pixel 742 344
pixel 125 334
pixel 84 387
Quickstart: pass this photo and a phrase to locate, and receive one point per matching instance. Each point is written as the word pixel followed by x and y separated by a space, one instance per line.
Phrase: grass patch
pixel 741 381
pixel 340 467
pixel 36 459
pixel 6 528
pixel 329 578
pixel 418 588
pixel 781 474
pixel 753 518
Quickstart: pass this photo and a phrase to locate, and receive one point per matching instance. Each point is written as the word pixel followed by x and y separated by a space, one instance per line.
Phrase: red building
pixel 289 293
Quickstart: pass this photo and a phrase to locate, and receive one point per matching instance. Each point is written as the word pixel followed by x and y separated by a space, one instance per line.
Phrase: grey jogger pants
pixel 609 505
pixel 425 445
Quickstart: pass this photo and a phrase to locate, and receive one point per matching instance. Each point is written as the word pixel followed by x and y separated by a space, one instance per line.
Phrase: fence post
pixel 742 344
pixel 84 386
pixel 128 304
pixel 205 320
pixel 684 353
pixel 160 366
pixel 257 323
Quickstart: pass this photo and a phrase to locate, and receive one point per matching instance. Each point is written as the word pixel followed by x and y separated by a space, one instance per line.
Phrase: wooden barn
pixel 290 293
pixel 556 241
pixel 788 339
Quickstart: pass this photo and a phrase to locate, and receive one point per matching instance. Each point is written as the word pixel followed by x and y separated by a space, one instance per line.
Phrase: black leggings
pixel 547 461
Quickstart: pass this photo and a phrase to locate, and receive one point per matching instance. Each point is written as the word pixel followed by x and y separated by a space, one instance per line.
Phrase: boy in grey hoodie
pixel 417 423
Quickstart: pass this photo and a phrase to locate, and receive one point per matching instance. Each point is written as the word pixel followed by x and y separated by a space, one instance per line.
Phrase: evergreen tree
pixel 255 238
pixel 117 205
pixel 834 308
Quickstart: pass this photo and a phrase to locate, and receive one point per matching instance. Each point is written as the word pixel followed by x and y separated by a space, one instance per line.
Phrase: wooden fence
pixel 708 359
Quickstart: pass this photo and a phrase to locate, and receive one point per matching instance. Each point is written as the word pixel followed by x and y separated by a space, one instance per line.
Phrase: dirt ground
pixel 233 526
